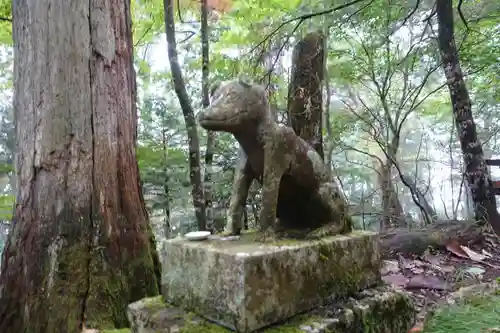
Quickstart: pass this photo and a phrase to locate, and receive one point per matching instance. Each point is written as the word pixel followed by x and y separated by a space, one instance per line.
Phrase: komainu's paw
pixel 347 226
pixel 227 233
pixel 267 236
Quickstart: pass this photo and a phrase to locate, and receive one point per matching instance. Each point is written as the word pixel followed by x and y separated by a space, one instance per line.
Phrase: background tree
pixel 205 89
pixel 305 95
pixel 189 118
pixel 476 171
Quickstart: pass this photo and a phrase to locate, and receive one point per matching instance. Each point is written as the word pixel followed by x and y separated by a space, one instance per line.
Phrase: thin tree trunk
pixel 189 119
pixel 304 93
pixel 81 247
pixel 326 111
pixel 476 170
pixel 167 230
pixel 209 153
pixel 392 210
pixel 412 186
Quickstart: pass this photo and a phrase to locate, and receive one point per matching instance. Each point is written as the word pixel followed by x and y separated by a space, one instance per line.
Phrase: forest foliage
pixel 390 116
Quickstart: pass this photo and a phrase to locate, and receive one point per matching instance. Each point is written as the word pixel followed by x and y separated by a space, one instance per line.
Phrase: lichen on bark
pixel 305 96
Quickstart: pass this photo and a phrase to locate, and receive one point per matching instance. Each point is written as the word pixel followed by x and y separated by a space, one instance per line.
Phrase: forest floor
pixel 431 277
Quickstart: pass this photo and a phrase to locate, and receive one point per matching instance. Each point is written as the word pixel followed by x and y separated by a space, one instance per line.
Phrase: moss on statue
pixel 155 303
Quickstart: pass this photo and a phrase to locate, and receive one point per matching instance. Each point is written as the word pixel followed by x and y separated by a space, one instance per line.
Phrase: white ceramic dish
pixel 197 235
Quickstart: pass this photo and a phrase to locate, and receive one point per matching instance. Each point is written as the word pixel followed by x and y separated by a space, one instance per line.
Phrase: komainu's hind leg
pixel 340 221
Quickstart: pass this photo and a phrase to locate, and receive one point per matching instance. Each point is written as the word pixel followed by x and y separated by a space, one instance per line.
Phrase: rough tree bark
pixel 189 119
pixel 167 230
pixel 205 88
pixel 81 247
pixel 392 210
pixel 391 152
pixel 304 93
pixel 326 111
pixel 476 170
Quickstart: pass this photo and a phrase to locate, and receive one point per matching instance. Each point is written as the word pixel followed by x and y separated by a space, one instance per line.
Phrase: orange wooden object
pixel 222 6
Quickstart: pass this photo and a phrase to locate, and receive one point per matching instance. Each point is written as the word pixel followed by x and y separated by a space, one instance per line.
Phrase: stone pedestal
pixel 244 285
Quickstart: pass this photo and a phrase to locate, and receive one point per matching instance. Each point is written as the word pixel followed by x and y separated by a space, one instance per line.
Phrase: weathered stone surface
pixel 376 310
pixel 245 285
pixel 480 289
pixel 151 315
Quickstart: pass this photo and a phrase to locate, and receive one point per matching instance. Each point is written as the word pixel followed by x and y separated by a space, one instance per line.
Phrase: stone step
pixel 245 285
pixel 375 310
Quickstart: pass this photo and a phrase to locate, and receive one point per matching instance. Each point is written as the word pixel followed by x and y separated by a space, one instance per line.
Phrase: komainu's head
pixel 235 105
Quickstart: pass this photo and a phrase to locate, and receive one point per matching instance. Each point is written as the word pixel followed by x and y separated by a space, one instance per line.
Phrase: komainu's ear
pixel 214 87
pixel 244 81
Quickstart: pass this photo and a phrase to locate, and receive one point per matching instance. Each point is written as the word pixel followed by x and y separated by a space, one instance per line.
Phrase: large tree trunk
pixel 81 246
pixel 305 97
pixel 189 119
pixel 476 169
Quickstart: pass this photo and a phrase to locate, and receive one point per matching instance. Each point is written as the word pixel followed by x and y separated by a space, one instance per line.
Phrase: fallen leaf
pixel 389 266
pixel 406 263
pixel 473 255
pixel 486 253
pixel 427 282
pixel 433 259
pixel 418 263
pixel 396 279
pixel 417 270
pixel 454 247
pixel 447 269
pixel 475 270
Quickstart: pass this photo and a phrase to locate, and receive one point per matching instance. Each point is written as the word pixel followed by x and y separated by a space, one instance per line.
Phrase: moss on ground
pixel 121 330
pixel 477 314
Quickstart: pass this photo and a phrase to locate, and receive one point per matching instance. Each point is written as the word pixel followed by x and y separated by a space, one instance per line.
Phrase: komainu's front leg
pixel 268 212
pixel 340 221
pixel 274 167
pixel 243 178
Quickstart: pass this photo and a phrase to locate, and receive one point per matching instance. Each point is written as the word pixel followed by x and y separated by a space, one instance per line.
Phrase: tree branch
pixel 304 17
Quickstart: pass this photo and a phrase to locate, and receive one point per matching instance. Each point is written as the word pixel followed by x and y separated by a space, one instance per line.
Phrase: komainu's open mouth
pixel 211 124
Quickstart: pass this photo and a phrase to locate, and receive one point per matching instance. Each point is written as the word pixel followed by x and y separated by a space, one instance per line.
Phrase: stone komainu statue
pixel 297 195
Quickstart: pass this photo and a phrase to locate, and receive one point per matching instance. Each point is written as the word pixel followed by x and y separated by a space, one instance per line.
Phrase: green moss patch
pixel 477 314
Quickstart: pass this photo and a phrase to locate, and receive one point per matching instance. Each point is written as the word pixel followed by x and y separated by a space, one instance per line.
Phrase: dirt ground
pixel 433 275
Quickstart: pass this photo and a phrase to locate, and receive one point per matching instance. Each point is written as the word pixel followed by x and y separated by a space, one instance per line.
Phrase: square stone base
pixel 244 285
